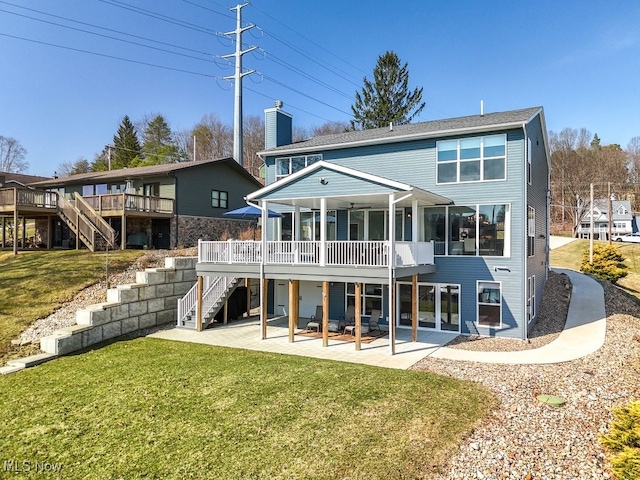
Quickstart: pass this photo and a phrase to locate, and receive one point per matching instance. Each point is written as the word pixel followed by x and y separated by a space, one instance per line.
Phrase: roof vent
pixel 279 104
pixel 391 126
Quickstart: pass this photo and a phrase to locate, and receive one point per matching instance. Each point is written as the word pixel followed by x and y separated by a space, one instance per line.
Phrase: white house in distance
pixel 622 218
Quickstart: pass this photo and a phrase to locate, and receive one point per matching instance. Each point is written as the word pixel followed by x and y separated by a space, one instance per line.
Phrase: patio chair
pixel 365 328
pixel 316 320
pixel 340 324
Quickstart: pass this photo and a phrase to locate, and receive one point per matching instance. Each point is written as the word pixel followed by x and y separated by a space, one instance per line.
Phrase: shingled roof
pixel 398 133
pixel 137 172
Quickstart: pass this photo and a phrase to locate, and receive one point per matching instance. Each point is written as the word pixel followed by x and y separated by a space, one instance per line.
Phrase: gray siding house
pixel 158 206
pixel 440 226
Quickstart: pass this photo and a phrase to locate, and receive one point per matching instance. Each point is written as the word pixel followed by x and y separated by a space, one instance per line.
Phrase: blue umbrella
pixel 252 213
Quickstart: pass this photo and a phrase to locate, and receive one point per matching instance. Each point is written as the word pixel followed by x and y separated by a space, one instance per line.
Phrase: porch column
pixel 293 304
pixel 247 284
pixel 325 314
pixel 358 312
pixel 296 223
pixel 323 230
pixel 392 261
pixel 225 312
pixel 414 224
pixel 199 303
pixel 414 308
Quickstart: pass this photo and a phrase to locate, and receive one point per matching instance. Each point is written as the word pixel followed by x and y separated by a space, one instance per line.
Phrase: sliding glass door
pixel 438 306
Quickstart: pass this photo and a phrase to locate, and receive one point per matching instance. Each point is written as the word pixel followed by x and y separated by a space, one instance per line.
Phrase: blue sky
pixel 578 59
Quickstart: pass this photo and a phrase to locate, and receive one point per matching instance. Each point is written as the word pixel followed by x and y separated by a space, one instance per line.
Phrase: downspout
pixel 392 271
pixel 525 330
pixel 263 235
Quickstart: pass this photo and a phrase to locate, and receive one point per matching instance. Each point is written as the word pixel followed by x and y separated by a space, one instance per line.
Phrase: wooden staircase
pixel 89 226
pixel 216 291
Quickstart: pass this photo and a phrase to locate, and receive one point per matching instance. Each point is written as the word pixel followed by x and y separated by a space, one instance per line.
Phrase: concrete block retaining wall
pixel 152 300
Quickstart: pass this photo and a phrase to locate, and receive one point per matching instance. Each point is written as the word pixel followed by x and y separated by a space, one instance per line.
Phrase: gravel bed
pixel 526 439
pixel 65 316
pixel 550 322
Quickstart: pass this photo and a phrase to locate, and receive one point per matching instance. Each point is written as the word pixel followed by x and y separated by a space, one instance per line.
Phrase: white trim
pixel 477 320
pixel 401 138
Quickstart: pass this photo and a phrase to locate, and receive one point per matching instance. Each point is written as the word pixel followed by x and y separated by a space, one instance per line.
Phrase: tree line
pixel 579 159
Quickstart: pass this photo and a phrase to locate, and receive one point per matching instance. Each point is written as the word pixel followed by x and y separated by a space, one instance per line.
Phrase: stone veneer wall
pixel 152 300
pixel 190 229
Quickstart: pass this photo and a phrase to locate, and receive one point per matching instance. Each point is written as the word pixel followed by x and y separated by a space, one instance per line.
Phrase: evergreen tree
pixel 158 146
pixel 386 99
pixel 126 145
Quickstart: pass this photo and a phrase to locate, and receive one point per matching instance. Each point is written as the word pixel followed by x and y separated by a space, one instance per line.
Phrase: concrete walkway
pixel 583 334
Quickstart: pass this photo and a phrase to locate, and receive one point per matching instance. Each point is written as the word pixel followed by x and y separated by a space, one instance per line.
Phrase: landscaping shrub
pixel 608 263
pixel 624 439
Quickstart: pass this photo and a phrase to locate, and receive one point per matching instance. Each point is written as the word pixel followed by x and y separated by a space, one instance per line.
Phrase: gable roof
pixel 343 199
pixel 19 178
pixel 601 205
pixel 136 172
pixel 413 131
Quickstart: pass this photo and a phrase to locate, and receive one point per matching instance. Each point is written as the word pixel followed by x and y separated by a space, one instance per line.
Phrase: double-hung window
pixel 473 159
pixel 285 166
pixel 371 297
pixel 531 231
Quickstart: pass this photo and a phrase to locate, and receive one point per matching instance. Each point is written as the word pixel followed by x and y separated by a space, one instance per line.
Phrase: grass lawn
pixel 570 256
pixel 149 408
pixel 35 283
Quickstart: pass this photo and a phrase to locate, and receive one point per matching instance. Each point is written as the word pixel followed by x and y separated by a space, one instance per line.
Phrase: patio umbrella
pixel 251 213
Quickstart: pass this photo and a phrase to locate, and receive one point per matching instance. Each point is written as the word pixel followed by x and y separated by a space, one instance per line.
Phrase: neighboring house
pixel 159 206
pixel 464 250
pixel 622 219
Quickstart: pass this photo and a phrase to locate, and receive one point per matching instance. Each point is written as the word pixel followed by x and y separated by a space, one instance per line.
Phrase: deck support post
pixel 15 221
pixel 325 314
pixel 225 312
pixel 123 232
pixel 414 308
pixel 294 306
pixel 199 303
pixel 24 232
pixel 3 231
pixel 247 284
pixel 358 312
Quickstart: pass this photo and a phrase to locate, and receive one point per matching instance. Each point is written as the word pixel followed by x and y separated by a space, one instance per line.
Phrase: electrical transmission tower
pixel 237 78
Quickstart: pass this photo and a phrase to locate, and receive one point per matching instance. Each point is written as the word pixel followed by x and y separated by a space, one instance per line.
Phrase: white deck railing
pixel 334 253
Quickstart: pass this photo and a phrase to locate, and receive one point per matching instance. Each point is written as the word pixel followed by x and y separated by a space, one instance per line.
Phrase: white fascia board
pixel 386 140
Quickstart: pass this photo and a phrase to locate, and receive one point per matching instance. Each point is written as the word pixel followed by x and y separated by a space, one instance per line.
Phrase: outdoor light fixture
pixel 501 269
pixel 323 181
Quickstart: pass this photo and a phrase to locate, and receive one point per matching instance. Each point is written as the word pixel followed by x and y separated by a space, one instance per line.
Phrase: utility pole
pixel 609 207
pixel 237 78
pixel 591 226
pixel 109 157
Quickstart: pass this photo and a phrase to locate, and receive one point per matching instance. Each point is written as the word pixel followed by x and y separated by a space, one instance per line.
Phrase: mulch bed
pixel 368 338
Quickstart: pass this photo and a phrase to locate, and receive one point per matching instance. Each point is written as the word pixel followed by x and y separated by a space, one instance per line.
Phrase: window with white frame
pixel 374 224
pixel 531 298
pixel 473 159
pixel 219 199
pixel 531 231
pixel 529 161
pixel 285 166
pixel 477 230
pixel 489 304
pixel 371 297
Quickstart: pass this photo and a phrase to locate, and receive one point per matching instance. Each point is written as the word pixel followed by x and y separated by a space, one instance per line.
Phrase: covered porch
pixel 341 254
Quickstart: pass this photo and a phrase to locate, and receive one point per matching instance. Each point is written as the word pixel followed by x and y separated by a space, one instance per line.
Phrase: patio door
pixel 438 306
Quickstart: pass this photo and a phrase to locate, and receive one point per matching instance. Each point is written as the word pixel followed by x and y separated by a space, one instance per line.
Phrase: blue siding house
pixel 439 226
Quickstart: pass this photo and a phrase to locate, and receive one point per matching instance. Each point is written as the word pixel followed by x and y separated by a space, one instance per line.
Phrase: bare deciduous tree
pixel 12 156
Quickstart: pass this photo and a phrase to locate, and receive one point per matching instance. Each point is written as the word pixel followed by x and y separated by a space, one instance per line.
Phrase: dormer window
pixel 622 210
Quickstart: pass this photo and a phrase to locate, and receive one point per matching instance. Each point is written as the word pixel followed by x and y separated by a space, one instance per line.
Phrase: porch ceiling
pixel 369 200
